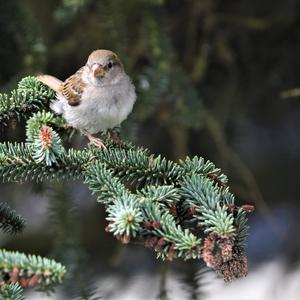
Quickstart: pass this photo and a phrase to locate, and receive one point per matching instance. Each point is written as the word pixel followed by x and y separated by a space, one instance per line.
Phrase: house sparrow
pixel 98 97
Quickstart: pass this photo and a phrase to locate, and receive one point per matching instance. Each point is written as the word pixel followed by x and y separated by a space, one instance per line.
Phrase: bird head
pixel 105 67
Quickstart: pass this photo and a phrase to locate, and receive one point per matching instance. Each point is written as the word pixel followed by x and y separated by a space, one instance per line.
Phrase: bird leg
pixel 94 140
pixel 114 136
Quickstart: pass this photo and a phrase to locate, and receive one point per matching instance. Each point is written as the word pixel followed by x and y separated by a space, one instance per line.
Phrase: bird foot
pixel 95 141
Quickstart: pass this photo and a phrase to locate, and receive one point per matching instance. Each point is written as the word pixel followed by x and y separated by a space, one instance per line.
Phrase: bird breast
pixel 101 108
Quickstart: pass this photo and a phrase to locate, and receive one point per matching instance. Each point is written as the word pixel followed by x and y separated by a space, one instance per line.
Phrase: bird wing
pixel 72 88
pixel 50 81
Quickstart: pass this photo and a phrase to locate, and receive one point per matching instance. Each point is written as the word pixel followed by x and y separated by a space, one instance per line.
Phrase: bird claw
pixel 93 140
pixel 97 142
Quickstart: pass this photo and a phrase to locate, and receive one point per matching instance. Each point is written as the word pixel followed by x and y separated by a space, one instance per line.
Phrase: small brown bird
pixel 98 97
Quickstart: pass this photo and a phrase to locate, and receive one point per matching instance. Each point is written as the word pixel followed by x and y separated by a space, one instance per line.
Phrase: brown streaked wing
pixel 72 88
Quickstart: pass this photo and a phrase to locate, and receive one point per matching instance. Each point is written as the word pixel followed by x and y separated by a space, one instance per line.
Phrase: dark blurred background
pixel 213 78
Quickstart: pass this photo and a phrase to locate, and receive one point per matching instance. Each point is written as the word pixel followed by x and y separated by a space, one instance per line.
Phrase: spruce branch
pixel 18 164
pixel 165 194
pixel 29 96
pixel 137 166
pixel 47 146
pixel 102 181
pixel 29 271
pixel 207 200
pixel 125 216
pixel 179 209
pixel 242 230
pixel 12 291
pixel 198 165
pixel 39 120
pixel 10 222
pixel 167 238
pixel 126 211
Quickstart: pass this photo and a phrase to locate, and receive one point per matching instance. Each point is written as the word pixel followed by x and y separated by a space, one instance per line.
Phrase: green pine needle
pixel 12 291
pixel 10 222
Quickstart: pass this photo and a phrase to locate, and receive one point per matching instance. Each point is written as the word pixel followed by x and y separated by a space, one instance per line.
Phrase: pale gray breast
pixel 102 107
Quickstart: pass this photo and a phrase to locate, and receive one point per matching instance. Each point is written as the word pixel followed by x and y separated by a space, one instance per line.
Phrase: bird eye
pixel 109 65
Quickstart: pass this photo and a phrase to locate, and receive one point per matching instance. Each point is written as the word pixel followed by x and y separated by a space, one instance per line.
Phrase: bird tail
pixel 50 81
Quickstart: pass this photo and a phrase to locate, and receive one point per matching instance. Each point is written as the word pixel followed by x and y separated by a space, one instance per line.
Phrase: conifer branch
pixel 165 236
pixel 10 222
pixel 29 96
pixel 19 164
pixel 137 166
pixel 12 291
pixel 180 210
pixel 29 271
pixel 131 215
pixel 208 201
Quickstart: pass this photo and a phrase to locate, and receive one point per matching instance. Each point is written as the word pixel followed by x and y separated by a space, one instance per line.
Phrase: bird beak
pixel 98 71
